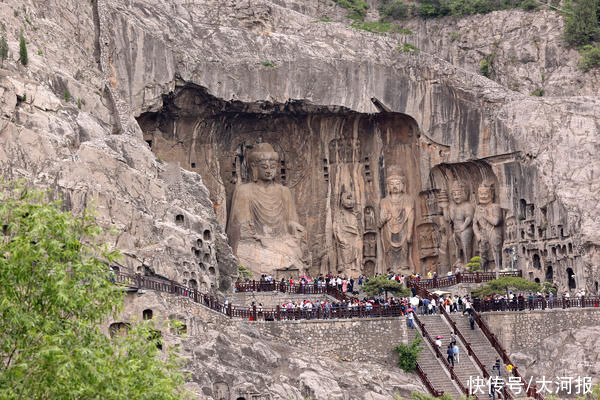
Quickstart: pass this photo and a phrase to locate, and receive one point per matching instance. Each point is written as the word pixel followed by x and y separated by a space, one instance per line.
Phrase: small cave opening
pixel 211 270
pixel 118 328
pixel 193 284
pixel 199 243
pixel 571 275
pixel 536 262
pixel 147 314
pixel 549 273
pixel 537 280
pixel 206 235
pixel 179 219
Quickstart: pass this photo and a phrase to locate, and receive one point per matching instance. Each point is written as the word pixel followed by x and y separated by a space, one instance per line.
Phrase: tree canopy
pixel 505 284
pixel 381 283
pixel 54 295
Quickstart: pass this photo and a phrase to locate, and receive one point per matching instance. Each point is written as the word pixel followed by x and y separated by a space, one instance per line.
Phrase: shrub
pixel 485 65
pixel 407 48
pixel 539 92
pixel 590 57
pixel 408 355
pixel 396 9
pixel 358 7
pixel 23 50
pixel 268 64
pixel 474 264
pixel 67 96
pixel 581 22
pixel 244 273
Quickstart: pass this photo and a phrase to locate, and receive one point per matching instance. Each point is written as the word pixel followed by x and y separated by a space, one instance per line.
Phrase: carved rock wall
pixel 265 52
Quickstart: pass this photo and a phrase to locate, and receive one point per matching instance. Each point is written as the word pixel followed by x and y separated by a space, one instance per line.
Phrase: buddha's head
pixel 264 162
pixel 347 199
pixel 485 193
pixel 395 181
pixel 459 194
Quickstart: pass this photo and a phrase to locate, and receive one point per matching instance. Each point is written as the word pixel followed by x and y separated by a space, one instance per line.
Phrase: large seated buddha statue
pixel 263 227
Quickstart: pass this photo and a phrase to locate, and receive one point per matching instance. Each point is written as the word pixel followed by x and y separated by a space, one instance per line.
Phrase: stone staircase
pixel 436 325
pixel 436 372
pixel 486 353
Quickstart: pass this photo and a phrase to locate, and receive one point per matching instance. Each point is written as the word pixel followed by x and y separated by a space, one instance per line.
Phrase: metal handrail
pixel 439 354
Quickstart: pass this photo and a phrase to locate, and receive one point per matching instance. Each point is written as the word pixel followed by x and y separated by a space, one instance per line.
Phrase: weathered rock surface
pixel 232 358
pixel 67 122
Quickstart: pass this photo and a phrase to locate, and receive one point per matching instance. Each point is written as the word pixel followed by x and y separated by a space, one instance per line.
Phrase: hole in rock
pixel 147 314
pixel 206 234
pixel 571 275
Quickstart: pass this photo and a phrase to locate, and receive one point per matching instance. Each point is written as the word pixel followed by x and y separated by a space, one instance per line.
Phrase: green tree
pixel 408 355
pixel 244 272
pixel 504 284
pixel 3 49
pixel 581 22
pixel 474 264
pixel 54 294
pixel 23 50
pixel 382 284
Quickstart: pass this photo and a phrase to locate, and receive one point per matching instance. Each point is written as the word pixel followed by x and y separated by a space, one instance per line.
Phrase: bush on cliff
pixel 408 355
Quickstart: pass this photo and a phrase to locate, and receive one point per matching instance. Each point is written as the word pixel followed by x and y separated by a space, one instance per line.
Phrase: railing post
pixel 253 285
pixel 582 301
pixel 254 312
pixel 278 311
pixel 229 310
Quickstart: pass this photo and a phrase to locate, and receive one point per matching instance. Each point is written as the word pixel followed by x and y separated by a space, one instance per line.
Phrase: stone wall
pixel 519 331
pixel 370 339
pixel 551 343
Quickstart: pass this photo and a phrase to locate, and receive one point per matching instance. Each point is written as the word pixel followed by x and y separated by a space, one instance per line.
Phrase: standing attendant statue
pixel 346 230
pixel 396 221
pixel 487 225
pixel 459 213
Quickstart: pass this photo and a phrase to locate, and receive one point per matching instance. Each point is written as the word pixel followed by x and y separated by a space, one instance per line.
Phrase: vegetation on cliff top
pixel 55 292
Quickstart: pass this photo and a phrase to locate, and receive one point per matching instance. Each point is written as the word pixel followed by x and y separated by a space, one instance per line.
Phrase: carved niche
pixel 370 245
pixel 428 240
pixel 369 216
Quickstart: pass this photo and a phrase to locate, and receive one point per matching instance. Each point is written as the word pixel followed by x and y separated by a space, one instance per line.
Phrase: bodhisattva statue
pixel 459 213
pixel 397 217
pixel 347 236
pixel 487 225
pixel 263 228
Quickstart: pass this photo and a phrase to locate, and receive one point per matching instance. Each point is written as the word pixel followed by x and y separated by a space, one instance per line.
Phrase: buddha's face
pixel 348 200
pixel 395 186
pixel 485 195
pixel 458 195
pixel 267 169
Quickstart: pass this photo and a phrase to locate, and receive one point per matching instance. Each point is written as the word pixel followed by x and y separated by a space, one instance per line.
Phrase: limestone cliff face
pixel 58 131
pixel 68 119
pixel 263 54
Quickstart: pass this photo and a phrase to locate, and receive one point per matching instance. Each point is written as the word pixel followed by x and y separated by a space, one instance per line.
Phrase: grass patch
pixel 268 64
pixel 407 48
pixel 380 27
